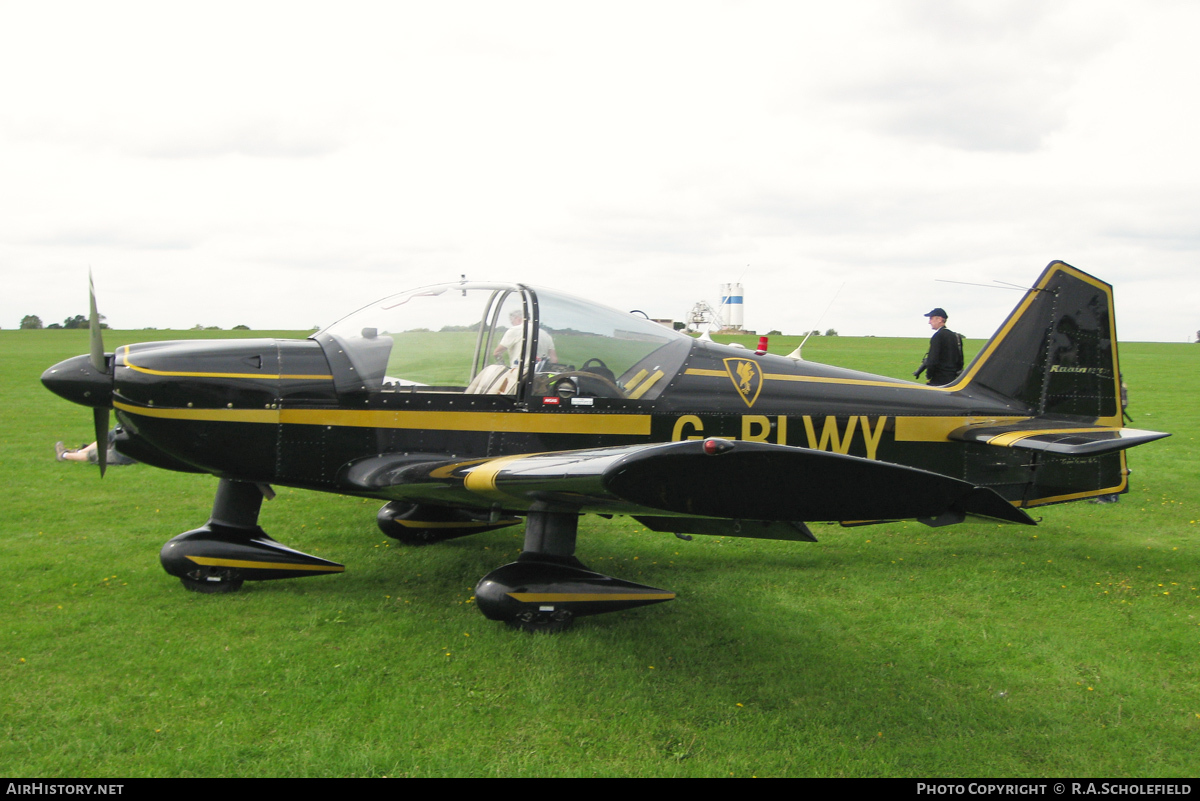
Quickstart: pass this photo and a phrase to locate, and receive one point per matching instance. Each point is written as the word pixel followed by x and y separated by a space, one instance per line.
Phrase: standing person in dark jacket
pixel 945 358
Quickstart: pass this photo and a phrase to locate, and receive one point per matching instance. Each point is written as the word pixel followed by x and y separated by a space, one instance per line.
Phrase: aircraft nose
pixel 79 382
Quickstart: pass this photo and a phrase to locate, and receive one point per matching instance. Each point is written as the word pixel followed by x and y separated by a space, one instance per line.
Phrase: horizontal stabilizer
pixel 1065 437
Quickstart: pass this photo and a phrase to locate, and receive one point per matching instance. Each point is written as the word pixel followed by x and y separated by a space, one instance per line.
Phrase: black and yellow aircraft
pixel 467 405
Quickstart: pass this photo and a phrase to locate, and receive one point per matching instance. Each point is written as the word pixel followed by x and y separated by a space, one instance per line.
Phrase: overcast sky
pixel 281 164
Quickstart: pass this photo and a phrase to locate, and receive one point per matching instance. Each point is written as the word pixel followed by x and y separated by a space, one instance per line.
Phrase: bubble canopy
pixel 501 339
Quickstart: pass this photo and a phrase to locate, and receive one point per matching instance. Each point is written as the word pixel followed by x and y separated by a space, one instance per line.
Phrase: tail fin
pixel 1057 351
pixel 1056 356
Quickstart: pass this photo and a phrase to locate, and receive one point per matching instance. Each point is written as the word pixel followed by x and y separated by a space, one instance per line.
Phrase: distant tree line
pixel 32 321
pixel 813 333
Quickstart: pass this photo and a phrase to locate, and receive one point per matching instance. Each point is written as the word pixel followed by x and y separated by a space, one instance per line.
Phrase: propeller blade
pixel 97 340
pixel 100 418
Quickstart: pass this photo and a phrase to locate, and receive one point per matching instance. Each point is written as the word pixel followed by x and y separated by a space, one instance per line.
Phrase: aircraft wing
pixel 713 479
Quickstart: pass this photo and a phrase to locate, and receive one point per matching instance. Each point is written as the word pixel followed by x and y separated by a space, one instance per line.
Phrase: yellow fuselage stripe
pixel 907 429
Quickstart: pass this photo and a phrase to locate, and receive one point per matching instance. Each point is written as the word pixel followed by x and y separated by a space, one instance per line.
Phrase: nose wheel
pixel 231 547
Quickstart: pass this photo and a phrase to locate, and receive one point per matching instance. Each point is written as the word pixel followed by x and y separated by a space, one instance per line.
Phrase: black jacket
pixel 945 359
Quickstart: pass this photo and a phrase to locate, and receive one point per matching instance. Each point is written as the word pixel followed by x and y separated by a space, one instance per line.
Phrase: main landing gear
pixel 547 587
pixel 543 591
pixel 231 548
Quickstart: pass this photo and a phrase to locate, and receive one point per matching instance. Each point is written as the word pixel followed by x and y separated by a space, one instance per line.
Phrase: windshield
pixel 609 353
pixel 481 339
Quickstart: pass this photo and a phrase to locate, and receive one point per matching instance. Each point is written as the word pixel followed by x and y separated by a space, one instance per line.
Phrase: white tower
pixel 731 304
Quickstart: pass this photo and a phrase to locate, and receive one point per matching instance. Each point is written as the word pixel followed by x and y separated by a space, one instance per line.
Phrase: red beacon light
pixel 715 447
pixel 762 346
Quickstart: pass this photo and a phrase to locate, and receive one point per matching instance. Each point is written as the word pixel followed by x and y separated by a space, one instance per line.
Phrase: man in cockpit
pixel 509 349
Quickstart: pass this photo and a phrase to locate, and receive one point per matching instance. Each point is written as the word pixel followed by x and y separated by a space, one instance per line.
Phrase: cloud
pixel 977 77
pixel 312 160
pixel 976 23
pixel 269 138
pixel 163 137
pixel 113 237
pixel 972 110
pixel 652 234
pixel 1170 223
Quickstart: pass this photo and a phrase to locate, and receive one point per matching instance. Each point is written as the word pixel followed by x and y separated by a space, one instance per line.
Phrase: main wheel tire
pixel 543 622
pixel 424 536
pixel 212 581
pixel 388 520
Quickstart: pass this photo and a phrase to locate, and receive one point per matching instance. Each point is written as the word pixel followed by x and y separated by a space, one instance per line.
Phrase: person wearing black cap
pixel 945 358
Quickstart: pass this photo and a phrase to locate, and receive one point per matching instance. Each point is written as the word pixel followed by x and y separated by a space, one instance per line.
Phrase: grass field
pixel 974 650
